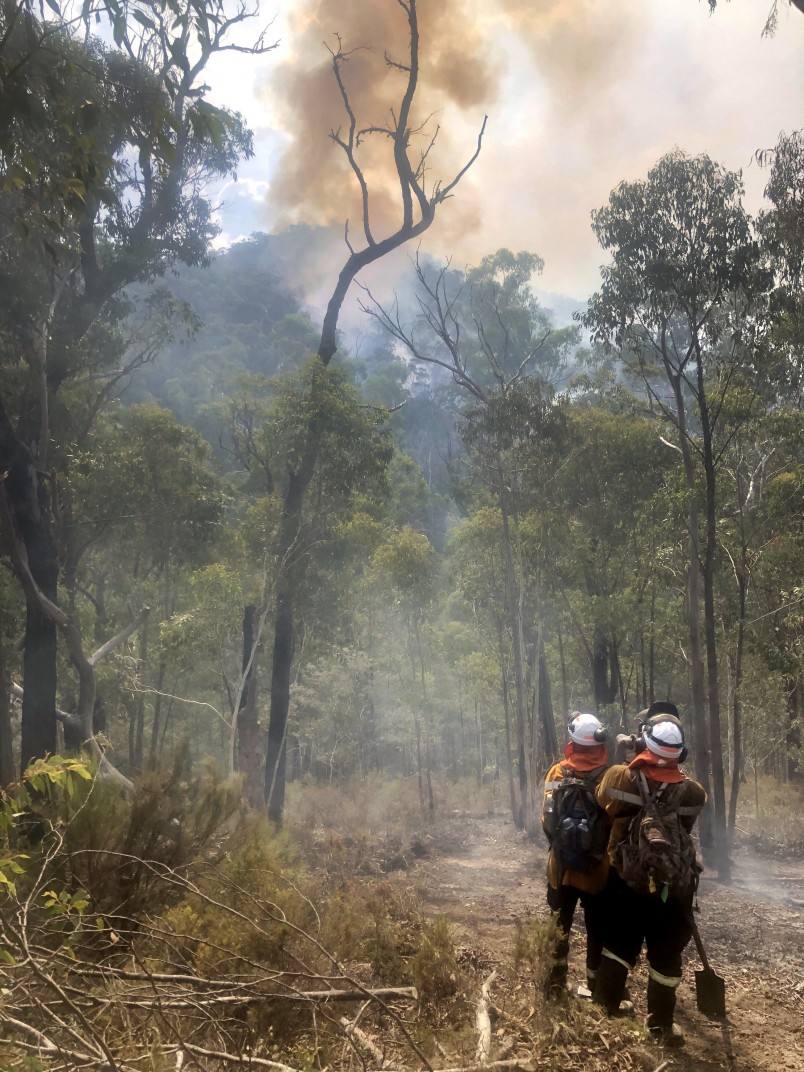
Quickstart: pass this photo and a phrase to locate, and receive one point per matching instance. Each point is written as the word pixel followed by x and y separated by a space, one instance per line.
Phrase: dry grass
pixel 776 826
pixel 373 825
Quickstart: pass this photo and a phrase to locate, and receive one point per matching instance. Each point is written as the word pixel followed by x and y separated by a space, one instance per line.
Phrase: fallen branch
pixel 388 993
pixel 483 1022
pixel 43 1046
pixel 511 1062
pixel 352 1031
pixel 301 998
pixel 240 1060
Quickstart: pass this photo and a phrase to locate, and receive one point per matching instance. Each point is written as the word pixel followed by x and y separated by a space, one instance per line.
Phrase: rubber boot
pixel 661 1007
pixel 585 991
pixel 610 984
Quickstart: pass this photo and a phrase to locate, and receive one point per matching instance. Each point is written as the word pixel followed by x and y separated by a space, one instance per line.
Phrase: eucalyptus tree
pixel 405 564
pixel 146 510
pixel 488 332
pixel 604 513
pixel 683 304
pixel 127 135
pixel 268 426
pixel 781 229
pixel 420 199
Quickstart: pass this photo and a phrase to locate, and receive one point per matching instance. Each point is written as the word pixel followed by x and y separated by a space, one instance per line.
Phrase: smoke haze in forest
pixel 579 97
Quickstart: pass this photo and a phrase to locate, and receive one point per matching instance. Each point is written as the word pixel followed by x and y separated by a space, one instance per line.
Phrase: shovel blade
pixel 710 993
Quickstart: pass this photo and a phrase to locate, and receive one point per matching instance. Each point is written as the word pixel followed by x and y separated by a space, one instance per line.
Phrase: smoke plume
pixel 314 180
pixel 580 96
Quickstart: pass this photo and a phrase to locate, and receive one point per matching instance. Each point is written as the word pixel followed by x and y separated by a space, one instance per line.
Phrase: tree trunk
pixel 425 708
pixel 160 681
pixel 479 740
pixel 248 729
pixel 515 615
pixel 6 746
pixel 604 671
pixel 651 697
pixel 418 211
pixel 795 690
pixel 723 862
pixel 136 734
pixel 39 657
pixel 417 726
pixel 701 755
pixel 516 809
pixel 565 711
pixel 548 722
pixel 736 709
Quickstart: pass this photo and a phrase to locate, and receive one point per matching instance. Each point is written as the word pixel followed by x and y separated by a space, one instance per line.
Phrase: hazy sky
pixel 580 95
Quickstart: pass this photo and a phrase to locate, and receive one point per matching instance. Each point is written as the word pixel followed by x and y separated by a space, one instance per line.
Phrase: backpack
pixel 574 823
pixel 657 856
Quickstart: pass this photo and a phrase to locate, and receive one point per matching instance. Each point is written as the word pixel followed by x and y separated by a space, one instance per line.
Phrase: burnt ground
pixel 753 931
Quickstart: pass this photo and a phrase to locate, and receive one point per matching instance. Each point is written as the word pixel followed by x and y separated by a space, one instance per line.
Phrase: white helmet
pixel 586 729
pixel 665 739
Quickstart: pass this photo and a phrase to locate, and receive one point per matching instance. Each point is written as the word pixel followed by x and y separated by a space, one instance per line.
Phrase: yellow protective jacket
pixel 621 778
pixel 590 881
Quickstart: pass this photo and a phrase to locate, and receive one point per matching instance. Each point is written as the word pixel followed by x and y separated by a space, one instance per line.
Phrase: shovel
pixel 710 988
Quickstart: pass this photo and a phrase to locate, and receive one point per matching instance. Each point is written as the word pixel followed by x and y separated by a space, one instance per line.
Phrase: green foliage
pixel 146 480
pixel 264 892
pixel 680 240
pixel 45 785
pixel 407 563
pixel 123 850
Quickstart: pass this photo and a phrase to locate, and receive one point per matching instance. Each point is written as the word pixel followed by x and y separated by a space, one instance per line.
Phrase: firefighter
pixel 653 806
pixel 577 830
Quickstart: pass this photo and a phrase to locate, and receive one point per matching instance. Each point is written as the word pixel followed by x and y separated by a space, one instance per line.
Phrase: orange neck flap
pixel 581 757
pixel 660 770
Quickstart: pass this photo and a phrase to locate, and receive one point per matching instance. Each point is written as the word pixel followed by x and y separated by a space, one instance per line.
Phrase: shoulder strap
pixel 644 788
pixel 674 793
pixel 620 794
pixel 596 772
pixel 583 776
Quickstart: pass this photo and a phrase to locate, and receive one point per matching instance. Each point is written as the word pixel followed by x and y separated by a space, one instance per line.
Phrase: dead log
pixel 352 1031
pixel 386 993
pixel 483 1022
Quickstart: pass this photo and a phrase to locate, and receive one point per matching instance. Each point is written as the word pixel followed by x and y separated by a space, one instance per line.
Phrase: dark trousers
pixel 563 902
pixel 629 920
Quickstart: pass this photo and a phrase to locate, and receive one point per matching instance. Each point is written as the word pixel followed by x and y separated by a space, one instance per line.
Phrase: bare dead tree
pixel 419 202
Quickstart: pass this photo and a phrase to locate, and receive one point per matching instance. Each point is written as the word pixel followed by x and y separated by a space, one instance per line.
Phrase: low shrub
pixel 435 967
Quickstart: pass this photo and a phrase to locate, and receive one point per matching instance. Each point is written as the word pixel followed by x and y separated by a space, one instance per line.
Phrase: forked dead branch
pixel 419 200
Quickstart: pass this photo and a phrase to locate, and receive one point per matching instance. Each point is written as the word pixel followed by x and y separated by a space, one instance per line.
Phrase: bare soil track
pixel 753 931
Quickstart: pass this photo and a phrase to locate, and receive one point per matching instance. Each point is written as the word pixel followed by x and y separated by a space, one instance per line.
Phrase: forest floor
pixel 489 877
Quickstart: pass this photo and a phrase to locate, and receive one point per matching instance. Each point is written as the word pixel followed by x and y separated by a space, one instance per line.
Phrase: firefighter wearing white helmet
pixel 665 739
pixel 586 730
pixel 653 806
pixel 577 830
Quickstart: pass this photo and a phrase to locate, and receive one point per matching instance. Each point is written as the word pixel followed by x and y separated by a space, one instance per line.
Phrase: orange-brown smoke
pixel 579 49
pixel 581 94
pixel 314 181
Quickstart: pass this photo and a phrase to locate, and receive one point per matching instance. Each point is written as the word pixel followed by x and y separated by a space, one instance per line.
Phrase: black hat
pixel 662 707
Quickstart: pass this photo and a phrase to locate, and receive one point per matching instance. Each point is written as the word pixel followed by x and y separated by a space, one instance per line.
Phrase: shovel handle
pixel 698 943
